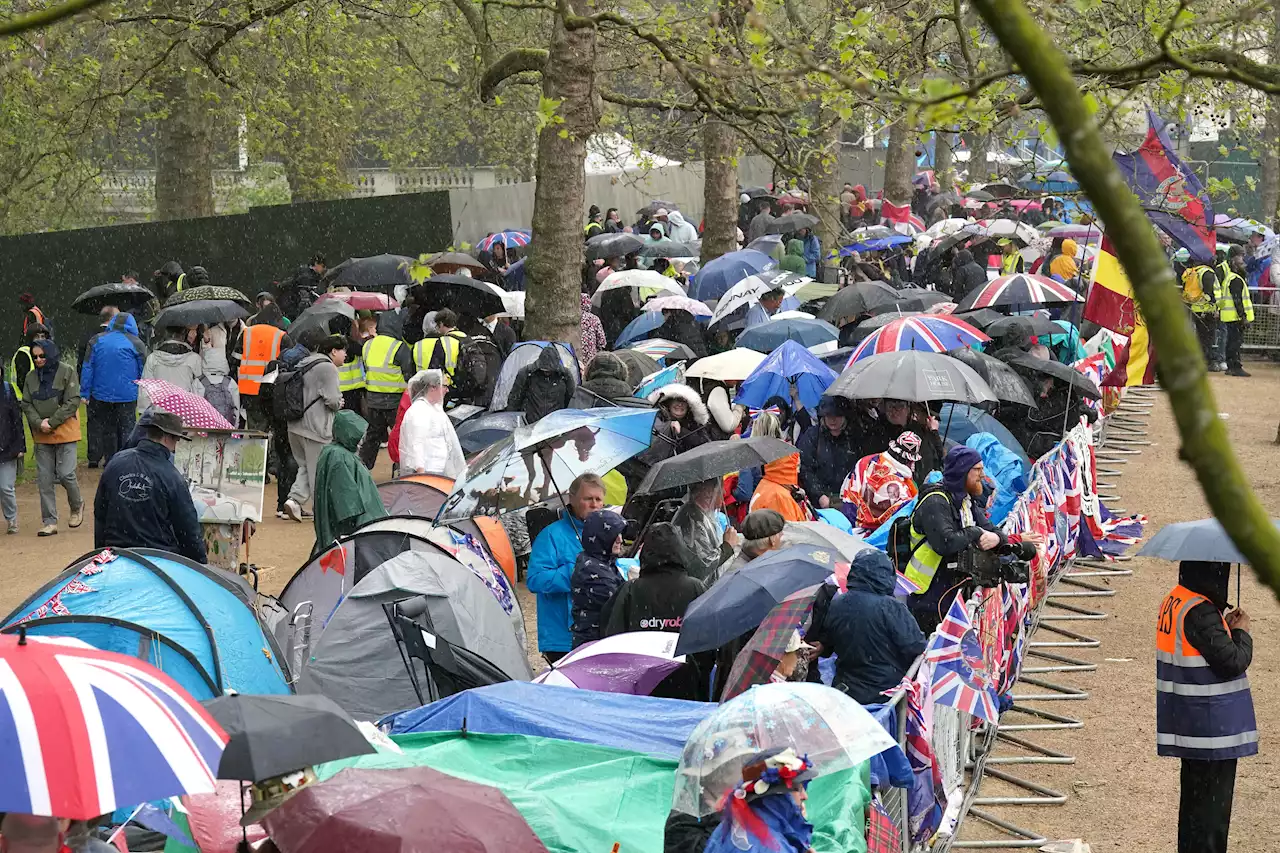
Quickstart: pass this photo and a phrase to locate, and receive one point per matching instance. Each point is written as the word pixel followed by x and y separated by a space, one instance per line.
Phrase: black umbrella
pixel 200 312
pixel 1003 379
pixel 856 299
pixel 371 273
pixel 979 195
pixel 757 192
pixel 464 295
pixel 791 222
pixel 1063 372
pixel 914 376
pixel 318 317
pixel 866 327
pixel 669 250
pixel 711 460
pixel 1038 325
pixel 638 365
pixel 121 294
pixel 275 735
pixel 999 190
pixel 207 291
pixel 912 299
pixel 604 246
pixel 981 318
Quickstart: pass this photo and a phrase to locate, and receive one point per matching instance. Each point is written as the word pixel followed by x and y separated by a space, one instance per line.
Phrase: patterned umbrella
pixel 757 661
pixel 509 239
pixel 925 332
pixel 84 732
pixel 207 291
pixel 1018 289
pixel 361 301
pixel 631 663
pixel 662 348
pixel 195 411
pixel 678 303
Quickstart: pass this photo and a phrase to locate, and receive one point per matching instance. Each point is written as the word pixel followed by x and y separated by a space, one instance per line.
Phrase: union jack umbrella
pixel 196 412
pixel 924 332
pixel 1018 289
pixel 84 732
pixel 510 239
pixel 960 676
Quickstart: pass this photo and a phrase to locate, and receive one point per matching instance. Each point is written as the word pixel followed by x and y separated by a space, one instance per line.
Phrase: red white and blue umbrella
pixel 84 732
pixel 509 239
pixel 1018 289
pixel 923 332
pixel 633 663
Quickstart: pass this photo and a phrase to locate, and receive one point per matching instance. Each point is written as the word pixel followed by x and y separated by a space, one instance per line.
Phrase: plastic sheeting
pixel 578 797
pixel 653 726
pixel 523 355
pixel 1006 469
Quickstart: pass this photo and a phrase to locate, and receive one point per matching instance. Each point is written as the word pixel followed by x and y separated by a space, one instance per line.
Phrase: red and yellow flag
pixel 1111 304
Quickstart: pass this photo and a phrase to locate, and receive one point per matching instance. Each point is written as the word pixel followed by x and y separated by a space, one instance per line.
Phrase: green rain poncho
pixel 793 260
pixel 346 496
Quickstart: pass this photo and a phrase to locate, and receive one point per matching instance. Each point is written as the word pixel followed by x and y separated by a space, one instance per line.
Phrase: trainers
pixel 48 530
pixel 77 517
pixel 292 509
pixel 1222 366
pixel 281 515
pixel 306 513
pixel 13 526
pixel 1238 371
pixel 1214 367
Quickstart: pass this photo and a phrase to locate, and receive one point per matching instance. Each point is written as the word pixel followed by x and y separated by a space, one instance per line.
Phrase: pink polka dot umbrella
pixel 195 411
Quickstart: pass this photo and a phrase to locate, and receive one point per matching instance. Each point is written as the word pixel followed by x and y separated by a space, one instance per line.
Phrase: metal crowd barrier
pixel 1264 333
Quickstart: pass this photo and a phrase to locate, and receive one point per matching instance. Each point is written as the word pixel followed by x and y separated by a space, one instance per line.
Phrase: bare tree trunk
pixel 944 163
pixel 899 163
pixel 554 268
pixel 824 190
pixel 719 189
pixel 979 170
pixel 184 155
pixel 1270 159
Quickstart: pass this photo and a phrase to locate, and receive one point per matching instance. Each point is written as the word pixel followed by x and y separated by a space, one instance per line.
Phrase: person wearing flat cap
pixel 143 501
pixel 761 533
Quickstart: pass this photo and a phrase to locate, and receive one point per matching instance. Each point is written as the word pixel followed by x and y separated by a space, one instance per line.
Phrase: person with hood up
pixel 682 416
pixel 681 328
pixel 696 521
pixel 828 453
pixel 779 489
pixel 679 230
pixel 966 274
pixel 309 434
pixel 551 562
pixel 175 362
pixel 428 441
pixel 1204 707
pixel 881 483
pixel 657 601
pixel 168 280
pixel 947 521
pixel 543 387
pixel 346 496
pixel 873 635
pixel 388 367
pixel 765 811
pixel 1064 267
pixel 113 362
pixel 596 576
pixel 657 235
pixel 812 251
pixel 606 383
pixel 793 260
pixel 591 334
pixel 51 402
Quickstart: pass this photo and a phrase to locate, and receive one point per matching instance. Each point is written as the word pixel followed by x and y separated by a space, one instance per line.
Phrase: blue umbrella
pixel 514 278
pixel 740 601
pixel 1203 540
pixel 961 421
pixel 538 462
pixel 641 327
pixel 789 363
pixel 877 244
pixel 477 433
pixel 724 272
pixel 767 337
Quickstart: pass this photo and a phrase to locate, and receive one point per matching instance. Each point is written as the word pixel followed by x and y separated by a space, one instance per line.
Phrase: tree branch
pixel 513 62
pixel 45 17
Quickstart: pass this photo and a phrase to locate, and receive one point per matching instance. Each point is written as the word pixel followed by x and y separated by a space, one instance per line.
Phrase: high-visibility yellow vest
pixel 351 375
pixel 1193 290
pixel 1011 264
pixel 1227 310
pixel 381 375
pixel 23 352
pixel 259 346
pixel 451 343
pixel 925 561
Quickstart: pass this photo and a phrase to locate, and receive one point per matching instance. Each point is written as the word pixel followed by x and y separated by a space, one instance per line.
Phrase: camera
pixel 1007 563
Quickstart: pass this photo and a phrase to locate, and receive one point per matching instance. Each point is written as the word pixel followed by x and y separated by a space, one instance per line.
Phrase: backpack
pixel 477 370
pixel 287 397
pixel 1192 292
pixel 219 396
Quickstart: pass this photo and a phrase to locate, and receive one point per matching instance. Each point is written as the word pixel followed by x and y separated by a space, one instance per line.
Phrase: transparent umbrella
pixel 829 727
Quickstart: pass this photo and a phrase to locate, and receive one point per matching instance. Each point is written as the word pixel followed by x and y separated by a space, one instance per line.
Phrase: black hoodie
pixel 966 274
pixel 607 384
pixel 1228 653
pixel 543 387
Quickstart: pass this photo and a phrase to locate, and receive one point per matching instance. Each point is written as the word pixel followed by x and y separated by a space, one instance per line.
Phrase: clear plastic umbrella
pixel 827 726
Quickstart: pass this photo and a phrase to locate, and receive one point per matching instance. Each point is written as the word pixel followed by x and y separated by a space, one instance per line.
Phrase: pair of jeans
pixel 109 428
pixel 56 465
pixel 8 493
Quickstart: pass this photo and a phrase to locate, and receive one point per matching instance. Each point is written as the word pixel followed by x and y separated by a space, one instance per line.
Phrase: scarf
pixel 772 822
pixel 48 372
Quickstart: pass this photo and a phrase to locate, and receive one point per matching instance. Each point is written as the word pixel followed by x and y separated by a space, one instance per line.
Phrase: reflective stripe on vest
pixel 259 346
pixel 1199 714
pixel 26 319
pixel 925 561
pixel 425 348
pixel 1227 311
pixel 381 375
pixel 351 375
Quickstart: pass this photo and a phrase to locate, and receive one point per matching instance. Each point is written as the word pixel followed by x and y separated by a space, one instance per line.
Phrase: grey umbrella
pixel 1202 540
pixel 275 735
pixel 118 293
pixel 1005 382
pixel 791 222
pixel 857 299
pixel 913 376
pixel 318 317
pixel 1039 326
pixel 713 459
pixel 823 535
pixel 604 246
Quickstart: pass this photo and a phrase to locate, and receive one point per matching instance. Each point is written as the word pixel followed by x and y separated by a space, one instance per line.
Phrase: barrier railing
pixel 1264 332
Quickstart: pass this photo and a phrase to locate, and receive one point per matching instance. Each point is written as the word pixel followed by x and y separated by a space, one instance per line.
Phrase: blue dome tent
pixel 196 623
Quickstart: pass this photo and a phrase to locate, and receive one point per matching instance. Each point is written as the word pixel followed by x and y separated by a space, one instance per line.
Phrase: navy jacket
pixel 113 362
pixel 874 636
pixel 143 502
pixel 825 460
pixel 595 575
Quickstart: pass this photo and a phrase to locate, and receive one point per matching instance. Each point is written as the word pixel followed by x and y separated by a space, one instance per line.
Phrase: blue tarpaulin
pixel 1005 468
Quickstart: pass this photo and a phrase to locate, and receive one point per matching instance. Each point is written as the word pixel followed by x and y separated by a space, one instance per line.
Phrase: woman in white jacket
pixel 428 442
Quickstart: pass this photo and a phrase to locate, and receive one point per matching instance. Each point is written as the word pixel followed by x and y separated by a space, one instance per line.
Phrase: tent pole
pixel 404 658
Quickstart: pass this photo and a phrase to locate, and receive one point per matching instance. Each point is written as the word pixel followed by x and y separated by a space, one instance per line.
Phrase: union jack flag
pixel 960 677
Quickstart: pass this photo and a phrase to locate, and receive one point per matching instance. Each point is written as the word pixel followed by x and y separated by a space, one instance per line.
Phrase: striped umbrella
pixel 924 332
pixel 509 239
pixel 631 663
pixel 1018 289
pixel 84 732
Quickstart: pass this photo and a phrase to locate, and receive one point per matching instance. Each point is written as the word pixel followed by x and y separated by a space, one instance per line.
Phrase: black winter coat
pixel 825 461
pixel 143 502
pixel 939 521
pixel 685 833
pixel 13 436
pixel 541 388
pixel 1228 653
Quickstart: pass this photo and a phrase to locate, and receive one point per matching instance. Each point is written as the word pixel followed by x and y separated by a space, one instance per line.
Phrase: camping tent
pixel 421 495
pixel 358 659
pixel 522 355
pixel 196 623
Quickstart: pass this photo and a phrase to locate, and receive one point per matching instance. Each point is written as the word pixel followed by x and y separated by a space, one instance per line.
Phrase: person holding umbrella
pixel 697 524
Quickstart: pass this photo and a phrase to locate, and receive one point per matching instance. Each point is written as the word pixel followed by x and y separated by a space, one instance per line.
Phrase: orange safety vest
pixel 26 318
pixel 259 345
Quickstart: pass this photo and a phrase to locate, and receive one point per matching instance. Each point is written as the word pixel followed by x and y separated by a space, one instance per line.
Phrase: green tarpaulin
pixel 581 798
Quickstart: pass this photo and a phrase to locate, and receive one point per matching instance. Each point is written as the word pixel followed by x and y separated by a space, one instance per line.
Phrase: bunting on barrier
pixel 960 676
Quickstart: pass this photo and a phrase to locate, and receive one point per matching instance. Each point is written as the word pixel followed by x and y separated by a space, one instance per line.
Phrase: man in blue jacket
pixel 113 362
pixel 551 562
pixel 143 501
pixel 874 636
